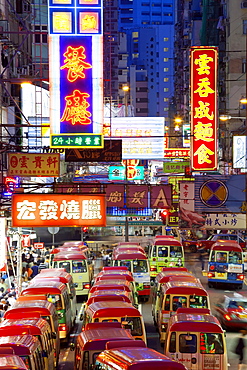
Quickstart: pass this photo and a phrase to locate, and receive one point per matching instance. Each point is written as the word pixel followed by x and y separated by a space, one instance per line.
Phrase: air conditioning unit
pixel 244 4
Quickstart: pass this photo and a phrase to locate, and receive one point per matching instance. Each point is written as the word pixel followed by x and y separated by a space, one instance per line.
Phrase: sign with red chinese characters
pixel 25 241
pixel 40 210
pixel 33 164
pixel 176 153
pixel 39 245
pixel 204 108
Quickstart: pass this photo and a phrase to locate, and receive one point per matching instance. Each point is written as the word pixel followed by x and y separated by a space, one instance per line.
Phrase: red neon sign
pixel 204 108
pixel 76 108
pixel 74 62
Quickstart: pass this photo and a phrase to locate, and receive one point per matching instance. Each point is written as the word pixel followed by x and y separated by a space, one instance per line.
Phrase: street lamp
pixel 126 89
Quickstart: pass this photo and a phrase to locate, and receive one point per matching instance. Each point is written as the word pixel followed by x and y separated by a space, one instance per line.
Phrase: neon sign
pixel 204 108
pixel 77 141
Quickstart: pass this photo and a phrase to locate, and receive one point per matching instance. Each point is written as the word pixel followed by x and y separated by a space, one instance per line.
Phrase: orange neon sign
pixel 39 210
pixel 76 108
pixel 74 62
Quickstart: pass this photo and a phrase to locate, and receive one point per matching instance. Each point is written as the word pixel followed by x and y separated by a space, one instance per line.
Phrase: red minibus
pixel 76 264
pixel 28 348
pixel 175 294
pixel 110 295
pixel 11 362
pixel 162 278
pixel 138 264
pixel 119 357
pixel 110 274
pixel 31 309
pixel 123 312
pixel 197 340
pixel 92 341
pixel 36 327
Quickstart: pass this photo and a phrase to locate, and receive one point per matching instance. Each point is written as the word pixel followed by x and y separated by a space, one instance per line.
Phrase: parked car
pixel 190 245
pixel 207 244
pixel 232 312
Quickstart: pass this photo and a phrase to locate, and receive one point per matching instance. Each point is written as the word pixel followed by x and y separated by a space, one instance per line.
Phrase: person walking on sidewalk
pixel 239 350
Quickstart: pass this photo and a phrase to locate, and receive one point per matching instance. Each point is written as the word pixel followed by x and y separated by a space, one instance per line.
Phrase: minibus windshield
pixel 79 266
pixel 176 251
pixel 56 300
pixel 211 343
pixel 140 266
pixel 195 301
pixel 132 323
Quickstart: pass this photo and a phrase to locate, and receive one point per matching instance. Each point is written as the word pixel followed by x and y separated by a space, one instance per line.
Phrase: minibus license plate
pixel 220 275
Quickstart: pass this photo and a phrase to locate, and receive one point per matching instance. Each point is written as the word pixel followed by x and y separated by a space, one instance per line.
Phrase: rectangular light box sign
pixel 239 152
pixel 204 108
pixel 42 210
pixel 119 173
pixel 77 141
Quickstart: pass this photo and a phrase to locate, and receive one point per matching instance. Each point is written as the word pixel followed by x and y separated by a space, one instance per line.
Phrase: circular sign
pixel 213 193
pixel 53 230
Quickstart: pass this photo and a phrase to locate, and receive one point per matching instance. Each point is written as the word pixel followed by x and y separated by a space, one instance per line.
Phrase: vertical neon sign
pixel 76 66
pixel 204 108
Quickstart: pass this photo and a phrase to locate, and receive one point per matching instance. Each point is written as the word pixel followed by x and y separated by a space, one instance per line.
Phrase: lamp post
pixel 126 89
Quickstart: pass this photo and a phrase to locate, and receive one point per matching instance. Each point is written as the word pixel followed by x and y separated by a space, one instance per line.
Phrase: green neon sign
pixel 77 141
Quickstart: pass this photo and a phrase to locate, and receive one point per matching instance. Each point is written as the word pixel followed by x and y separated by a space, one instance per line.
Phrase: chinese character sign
pixel 204 108
pixel 34 164
pixel 58 210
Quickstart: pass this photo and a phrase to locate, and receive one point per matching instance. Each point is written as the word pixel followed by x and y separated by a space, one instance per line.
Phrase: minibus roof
pixel 65 250
pixel 187 322
pixel 31 298
pixel 45 286
pixel 11 327
pixel 128 243
pixel 163 236
pixel 32 308
pixel 115 286
pixel 11 362
pixel 191 310
pixel 187 287
pixel 167 241
pixel 114 268
pixel 226 245
pixel 23 345
pixel 108 295
pixel 174 269
pixel 165 276
pixel 55 273
pixel 139 358
pixel 96 339
pixel 112 309
pixel 72 243
pixel 76 255
pixel 116 344
pixel 129 255
pixel 117 275
pixel 62 279
pixel 112 282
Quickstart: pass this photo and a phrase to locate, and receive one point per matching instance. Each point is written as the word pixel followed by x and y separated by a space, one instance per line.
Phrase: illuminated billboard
pixel 36 210
pixel 142 137
pixel 76 68
pixel 204 108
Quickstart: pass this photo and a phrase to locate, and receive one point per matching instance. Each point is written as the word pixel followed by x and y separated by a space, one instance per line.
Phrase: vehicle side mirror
pixel 72 346
pixel 81 317
pixel 53 335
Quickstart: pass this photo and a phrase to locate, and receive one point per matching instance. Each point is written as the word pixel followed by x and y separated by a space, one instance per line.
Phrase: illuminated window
pixel 166 79
pixel 166 69
pixel 165 59
pixel 166 109
pixel 135 35
pixel 166 99
pixel 166 38
pixel 166 49
pixel 166 89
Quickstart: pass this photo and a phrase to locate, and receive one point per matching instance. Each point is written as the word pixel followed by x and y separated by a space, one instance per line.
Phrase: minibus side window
pixel 85 362
pixel 211 343
pixel 187 343
pixel 79 266
pixel 178 302
pixel 172 344
pixel 221 257
pixel 134 324
pixel 198 301
pixel 213 256
pixel 162 251
pixel 167 303
pixel 175 251
pixel 154 251
pixel 235 257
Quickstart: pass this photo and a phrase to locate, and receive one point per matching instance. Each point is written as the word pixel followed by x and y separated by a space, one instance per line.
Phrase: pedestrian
pixel 202 258
pixel 43 264
pixel 35 269
pixel 239 350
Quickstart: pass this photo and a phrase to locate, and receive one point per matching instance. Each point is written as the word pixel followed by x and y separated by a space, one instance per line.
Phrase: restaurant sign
pixel 36 210
pixel 34 164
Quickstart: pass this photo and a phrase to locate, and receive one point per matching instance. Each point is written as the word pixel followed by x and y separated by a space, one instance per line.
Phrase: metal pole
pixel 245 133
pixel 19 262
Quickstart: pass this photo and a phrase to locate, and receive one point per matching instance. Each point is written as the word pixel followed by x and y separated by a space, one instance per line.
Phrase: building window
pixel 244 26
pixel 166 79
pixel 166 99
pixel 40 38
pixel 135 35
pixel 165 59
pixel 166 49
pixel 166 109
pixel 244 65
pixel 166 89
pixel 166 69
pixel 166 38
